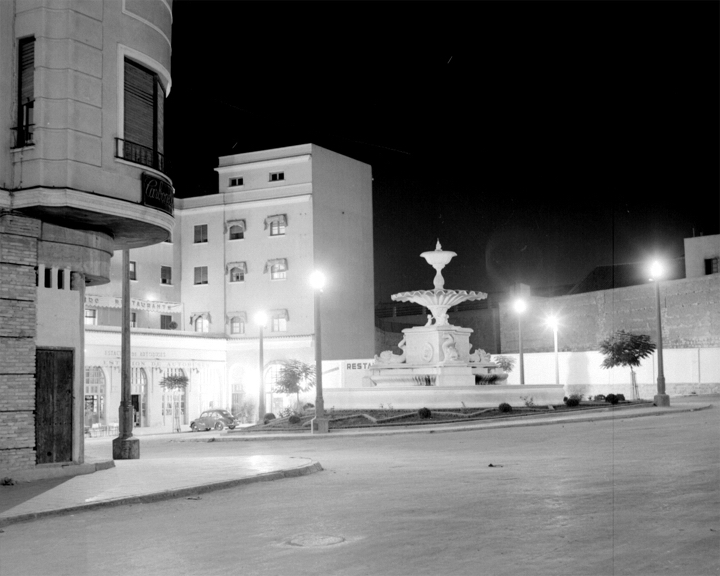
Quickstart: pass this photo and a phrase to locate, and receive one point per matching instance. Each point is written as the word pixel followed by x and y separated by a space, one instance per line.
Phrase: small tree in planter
pixel 625 349
pixel 170 383
pixel 505 362
pixel 295 377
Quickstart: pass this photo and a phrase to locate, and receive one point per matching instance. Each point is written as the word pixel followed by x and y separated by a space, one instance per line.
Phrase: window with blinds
pixel 26 92
pixel 143 122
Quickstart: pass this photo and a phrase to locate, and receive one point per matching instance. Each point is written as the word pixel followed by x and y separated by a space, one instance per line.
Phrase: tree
pixel 170 383
pixel 505 362
pixel 625 349
pixel 295 377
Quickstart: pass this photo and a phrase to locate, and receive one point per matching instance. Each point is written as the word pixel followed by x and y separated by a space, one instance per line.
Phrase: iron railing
pixel 139 154
pixel 24 129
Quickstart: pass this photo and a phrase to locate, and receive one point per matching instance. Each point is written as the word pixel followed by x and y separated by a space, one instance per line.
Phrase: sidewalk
pixel 148 480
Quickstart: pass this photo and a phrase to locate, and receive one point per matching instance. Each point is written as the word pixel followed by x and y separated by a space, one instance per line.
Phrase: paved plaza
pixel 610 493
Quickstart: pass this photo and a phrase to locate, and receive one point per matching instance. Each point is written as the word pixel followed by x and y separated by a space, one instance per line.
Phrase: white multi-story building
pixel 279 215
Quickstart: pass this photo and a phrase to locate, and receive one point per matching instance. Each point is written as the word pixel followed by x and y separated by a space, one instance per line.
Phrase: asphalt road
pixel 622 497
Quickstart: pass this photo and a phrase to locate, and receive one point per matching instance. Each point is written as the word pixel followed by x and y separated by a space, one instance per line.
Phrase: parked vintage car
pixel 213 420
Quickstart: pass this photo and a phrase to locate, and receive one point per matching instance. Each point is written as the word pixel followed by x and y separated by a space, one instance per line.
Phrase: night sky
pixel 537 140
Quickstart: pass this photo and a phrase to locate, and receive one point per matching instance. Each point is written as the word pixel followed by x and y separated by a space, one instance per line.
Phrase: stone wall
pixel 18 301
pixel 690 316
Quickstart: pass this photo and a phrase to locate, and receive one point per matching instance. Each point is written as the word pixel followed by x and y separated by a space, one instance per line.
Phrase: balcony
pixel 25 128
pixel 139 154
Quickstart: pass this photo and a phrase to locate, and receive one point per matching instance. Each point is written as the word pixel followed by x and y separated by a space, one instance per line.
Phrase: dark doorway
pixel 136 409
pixel 54 405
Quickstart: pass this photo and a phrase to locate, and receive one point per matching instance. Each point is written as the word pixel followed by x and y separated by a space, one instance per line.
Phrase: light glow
pixel 317 280
pixel 260 318
pixel 552 322
pixel 656 270
pixel 520 305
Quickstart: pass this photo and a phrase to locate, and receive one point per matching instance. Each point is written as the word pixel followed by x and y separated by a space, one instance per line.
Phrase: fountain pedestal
pixel 437 344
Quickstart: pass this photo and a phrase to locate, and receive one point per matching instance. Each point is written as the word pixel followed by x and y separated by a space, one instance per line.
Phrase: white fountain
pixel 436 368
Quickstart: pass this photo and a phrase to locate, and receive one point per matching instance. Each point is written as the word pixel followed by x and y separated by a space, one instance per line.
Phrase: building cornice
pixel 258 165
pixel 223 200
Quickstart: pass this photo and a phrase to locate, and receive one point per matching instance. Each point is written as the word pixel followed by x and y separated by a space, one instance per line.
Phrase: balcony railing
pixel 139 154
pixel 24 129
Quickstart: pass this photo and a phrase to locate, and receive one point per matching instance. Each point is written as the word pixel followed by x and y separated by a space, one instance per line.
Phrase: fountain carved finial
pixel 438 248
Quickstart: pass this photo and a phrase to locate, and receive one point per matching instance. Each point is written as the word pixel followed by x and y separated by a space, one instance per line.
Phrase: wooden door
pixel 54 405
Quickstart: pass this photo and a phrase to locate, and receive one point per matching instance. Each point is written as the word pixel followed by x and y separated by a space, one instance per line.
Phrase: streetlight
pixel 260 320
pixel 552 321
pixel 317 281
pixel 661 399
pixel 520 306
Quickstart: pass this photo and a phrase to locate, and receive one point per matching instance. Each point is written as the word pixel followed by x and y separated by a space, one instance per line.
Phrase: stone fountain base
pixel 439 397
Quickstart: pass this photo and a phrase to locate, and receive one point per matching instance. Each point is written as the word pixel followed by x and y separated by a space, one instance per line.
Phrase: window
pixel 201 275
pixel 143 122
pixel 277 229
pixel 279 325
pixel 236 181
pixel 48 277
pixel 237 326
pixel 133 270
pixel 277 268
pixel 277 176
pixel 201 234
pixel 26 92
pixel 202 324
pixel 165 275
pixel 237 275
pixel 277 224
pixel 166 322
pixel 133 319
pixel 90 317
pixel 711 265
pixel 278 272
pixel 237 232
pixel 61 279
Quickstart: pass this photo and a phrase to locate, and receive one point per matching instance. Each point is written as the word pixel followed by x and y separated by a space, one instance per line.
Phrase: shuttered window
pixel 26 91
pixel 143 122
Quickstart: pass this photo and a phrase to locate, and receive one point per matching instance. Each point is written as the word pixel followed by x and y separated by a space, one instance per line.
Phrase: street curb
pixel 167 494
pixel 606 414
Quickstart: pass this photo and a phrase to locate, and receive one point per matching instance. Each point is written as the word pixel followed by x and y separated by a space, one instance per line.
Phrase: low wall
pixel 687 370
pixel 415 397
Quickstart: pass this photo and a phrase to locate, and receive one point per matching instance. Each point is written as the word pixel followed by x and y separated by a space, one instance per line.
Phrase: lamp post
pixel 319 424
pixel 520 306
pixel 260 320
pixel 661 399
pixel 552 321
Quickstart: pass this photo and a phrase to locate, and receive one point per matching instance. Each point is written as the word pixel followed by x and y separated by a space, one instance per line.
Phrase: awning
pixel 230 265
pixel 281 264
pixel 241 315
pixel 240 223
pixel 197 315
pixel 280 313
pixel 279 218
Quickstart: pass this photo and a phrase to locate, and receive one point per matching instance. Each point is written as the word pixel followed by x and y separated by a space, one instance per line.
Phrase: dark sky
pixel 537 140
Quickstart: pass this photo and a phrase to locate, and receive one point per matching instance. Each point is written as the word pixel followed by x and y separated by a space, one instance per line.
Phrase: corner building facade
pixel 82 96
pixel 279 215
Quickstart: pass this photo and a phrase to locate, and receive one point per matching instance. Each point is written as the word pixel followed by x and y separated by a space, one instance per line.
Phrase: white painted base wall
pixel 687 370
pixel 417 397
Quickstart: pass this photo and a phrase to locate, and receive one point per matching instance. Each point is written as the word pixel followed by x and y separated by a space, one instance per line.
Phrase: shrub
pixel 565 399
pixel 424 413
pixel 505 407
pixel 620 397
pixel 600 398
pixel 572 402
pixel 294 419
pixel 308 405
pixel 611 398
pixel 269 416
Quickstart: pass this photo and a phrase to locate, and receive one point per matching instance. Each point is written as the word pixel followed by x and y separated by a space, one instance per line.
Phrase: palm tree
pixel 295 377
pixel 625 349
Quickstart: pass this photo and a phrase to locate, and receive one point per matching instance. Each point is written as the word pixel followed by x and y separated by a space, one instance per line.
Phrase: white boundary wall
pixel 687 370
